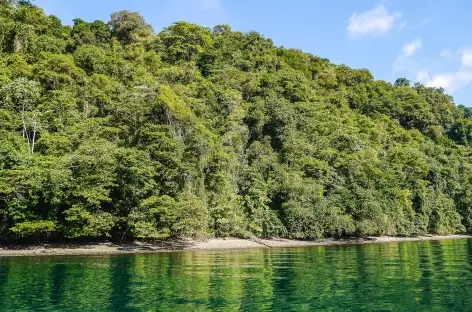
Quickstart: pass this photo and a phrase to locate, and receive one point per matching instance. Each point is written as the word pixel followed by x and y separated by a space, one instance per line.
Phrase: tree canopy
pixel 113 130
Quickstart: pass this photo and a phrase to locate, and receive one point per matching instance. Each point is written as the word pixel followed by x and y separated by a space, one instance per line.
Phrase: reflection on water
pixel 410 276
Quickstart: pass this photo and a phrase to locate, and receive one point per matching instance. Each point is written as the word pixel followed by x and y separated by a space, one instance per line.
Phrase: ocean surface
pixel 408 276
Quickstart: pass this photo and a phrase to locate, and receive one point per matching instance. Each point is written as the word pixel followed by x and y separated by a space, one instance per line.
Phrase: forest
pixel 113 130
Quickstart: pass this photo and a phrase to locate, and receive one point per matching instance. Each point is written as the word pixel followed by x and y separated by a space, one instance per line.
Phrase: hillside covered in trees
pixel 110 129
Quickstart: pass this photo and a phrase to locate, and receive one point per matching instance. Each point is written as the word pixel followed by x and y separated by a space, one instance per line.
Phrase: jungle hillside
pixel 111 129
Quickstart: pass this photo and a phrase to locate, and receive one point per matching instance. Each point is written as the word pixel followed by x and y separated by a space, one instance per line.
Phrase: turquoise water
pixel 410 276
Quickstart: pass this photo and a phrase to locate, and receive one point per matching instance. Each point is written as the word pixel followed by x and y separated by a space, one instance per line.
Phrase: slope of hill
pixel 114 130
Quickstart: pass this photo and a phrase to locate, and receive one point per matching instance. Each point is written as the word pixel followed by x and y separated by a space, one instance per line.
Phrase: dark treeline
pixel 114 130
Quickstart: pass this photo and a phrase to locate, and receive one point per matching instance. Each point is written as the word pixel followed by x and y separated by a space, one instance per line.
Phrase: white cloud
pixel 373 22
pixel 446 53
pixel 424 22
pixel 450 81
pixel 402 25
pixel 404 62
pixel 411 47
pixel 422 75
pixel 466 58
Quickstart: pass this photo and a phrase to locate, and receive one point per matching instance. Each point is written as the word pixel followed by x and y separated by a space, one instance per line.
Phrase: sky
pixel 422 40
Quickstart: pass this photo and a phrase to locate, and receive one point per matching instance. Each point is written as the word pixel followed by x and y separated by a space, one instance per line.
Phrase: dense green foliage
pixel 112 130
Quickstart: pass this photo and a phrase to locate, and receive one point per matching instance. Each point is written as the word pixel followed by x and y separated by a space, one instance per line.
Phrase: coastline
pixel 108 248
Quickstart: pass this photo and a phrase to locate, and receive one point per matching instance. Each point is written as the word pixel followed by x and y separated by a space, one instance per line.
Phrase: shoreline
pixel 108 248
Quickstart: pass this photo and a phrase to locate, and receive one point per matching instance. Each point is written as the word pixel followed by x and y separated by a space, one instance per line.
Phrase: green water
pixel 420 276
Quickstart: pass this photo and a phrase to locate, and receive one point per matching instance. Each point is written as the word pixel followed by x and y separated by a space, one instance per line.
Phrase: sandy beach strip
pixel 105 248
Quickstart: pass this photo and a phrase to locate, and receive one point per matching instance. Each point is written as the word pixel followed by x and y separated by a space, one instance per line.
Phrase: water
pixel 410 276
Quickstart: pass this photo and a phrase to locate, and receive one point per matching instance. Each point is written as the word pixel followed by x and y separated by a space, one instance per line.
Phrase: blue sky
pixel 421 40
